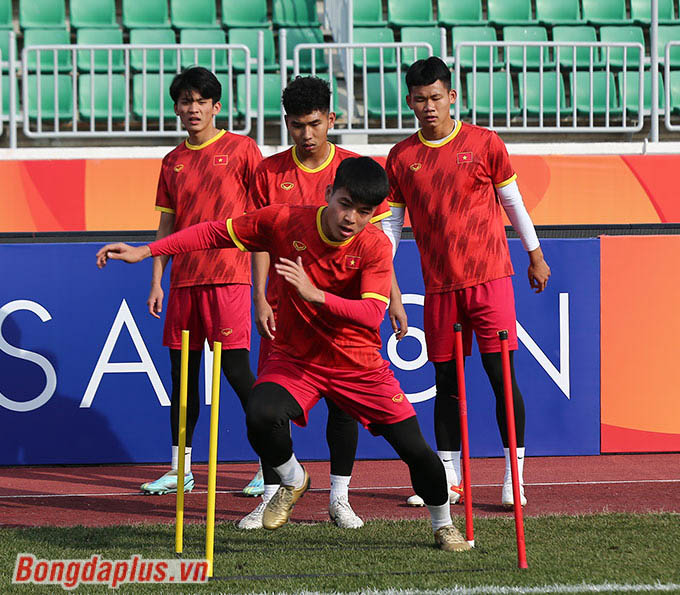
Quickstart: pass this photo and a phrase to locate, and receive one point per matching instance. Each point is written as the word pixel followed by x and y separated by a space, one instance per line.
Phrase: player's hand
pixel 155 301
pixel 123 252
pixel 294 273
pixel 539 271
pixel 398 319
pixel 264 319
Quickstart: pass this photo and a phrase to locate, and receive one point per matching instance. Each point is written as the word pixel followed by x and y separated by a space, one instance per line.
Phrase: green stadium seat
pixel 393 81
pixel 374 35
pixel 551 81
pixel 666 33
pixel 145 15
pixel 510 12
pixel 455 12
pixel 479 87
pixel 156 90
pixel 97 103
pixel 414 13
pixel 431 35
pixel 641 12
pixel 533 54
pixel 605 12
pixel 300 35
pixel 4 47
pixel 153 57
pixel 558 12
pixel 630 34
pixel 98 60
pixel 6 14
pixel 193 14
pixel 248 37
pixel 295 13
pixel 236 13
pixel 674 91
pixel 631 91
pixel 63 100
pixel 42 14
pixel 272 96
pixel 484 55
pixel 368 13
pixel 581 92
pixel 92 13
pixel 193 57
pixel 582 33
pixel 48 37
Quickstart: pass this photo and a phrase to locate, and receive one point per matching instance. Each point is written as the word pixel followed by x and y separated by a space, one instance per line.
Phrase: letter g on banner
pixel 37 359
pixel 421 360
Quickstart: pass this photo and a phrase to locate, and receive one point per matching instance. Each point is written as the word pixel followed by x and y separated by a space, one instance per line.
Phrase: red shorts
pixel 369 396
pixel 485 309
pixel 212 312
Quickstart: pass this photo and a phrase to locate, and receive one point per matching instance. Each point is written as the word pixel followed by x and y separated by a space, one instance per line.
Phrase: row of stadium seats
pixel 303 13
pixel 509 95
pixel 154 13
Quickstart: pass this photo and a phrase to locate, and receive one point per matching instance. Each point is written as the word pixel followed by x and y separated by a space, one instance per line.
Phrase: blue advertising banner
pixel 84 377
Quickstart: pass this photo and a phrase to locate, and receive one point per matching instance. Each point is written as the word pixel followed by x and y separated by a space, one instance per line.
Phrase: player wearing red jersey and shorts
pixel 454 178
pixel 205 178
pixel 338 272
pixel 300 176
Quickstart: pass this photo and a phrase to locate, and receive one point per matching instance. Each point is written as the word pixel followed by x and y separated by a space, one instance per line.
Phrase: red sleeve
pixel 382 211
pixel 500 168
pixel 367 312
pixel 164 201
pixel 210 234
pixel 254 160
pixel 376 273
pixel 258 188
pixel 394 198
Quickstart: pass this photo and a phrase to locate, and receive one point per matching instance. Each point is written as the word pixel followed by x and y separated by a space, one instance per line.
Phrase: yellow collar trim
pixel 325 239
pixel 309 170
pixel 454 134
pixel 215 138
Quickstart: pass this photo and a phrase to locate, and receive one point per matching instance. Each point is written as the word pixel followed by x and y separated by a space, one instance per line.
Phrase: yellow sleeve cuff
pixel 375 296
pixel 234 237
pixel 508 181
pixel 165 210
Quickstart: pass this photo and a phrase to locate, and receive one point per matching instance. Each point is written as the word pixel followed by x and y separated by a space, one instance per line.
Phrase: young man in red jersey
pixel 454 178
pixel 299 176
pixel 338 273
pixel 205 178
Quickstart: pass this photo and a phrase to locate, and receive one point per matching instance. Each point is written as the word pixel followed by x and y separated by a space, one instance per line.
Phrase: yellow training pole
pixel 181 447
pixel 212 456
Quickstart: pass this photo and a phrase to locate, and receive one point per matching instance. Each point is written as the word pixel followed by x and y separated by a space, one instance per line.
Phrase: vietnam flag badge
pixel 220 159
pixel 464 157
pixel 352 262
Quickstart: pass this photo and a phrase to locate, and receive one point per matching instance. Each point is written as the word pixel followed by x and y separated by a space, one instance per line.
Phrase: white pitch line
pixel 555 588
pixel 353 489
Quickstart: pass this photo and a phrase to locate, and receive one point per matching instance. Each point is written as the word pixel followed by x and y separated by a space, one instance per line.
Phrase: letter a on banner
pixel 104 366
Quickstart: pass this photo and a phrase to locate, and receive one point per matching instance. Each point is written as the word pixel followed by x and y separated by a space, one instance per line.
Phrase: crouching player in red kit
pixel 338 271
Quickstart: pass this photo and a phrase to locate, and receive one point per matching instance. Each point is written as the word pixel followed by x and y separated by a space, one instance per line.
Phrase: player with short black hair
pixel 299 176
pixel 338 272
pixel 454 178
pixel 206 177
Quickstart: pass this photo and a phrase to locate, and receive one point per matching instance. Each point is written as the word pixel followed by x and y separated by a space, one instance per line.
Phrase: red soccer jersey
pixel 359 267
pixel 283 179
pixel 450 193
pixel 205 183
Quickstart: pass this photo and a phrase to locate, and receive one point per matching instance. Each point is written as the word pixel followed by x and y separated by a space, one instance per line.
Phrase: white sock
pixel 291 473
pixel 269 490
pixel 340 487
pixel 520 465
pixel 451 461
pixel 187 459
pixel 440 516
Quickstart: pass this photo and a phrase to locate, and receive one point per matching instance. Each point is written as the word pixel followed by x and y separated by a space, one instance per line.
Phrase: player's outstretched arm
pixel 124 252
pixel 539 271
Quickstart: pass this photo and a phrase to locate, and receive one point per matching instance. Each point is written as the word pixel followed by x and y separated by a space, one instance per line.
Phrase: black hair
pixel 306 94
pixel 364 179
pixel 425 72
pixel 197 79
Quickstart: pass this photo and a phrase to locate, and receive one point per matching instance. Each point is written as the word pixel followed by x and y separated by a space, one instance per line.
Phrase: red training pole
pixel 512 444
pixel 464 436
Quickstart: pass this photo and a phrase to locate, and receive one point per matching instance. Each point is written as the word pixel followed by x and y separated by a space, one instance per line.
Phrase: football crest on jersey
pixel 415 166
pixel 287 185
pixel 352 262
pixel 299 246
pixel 226 331
pixel 398 398
pixel 464 157
pixel 179 167
pixel 220 159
